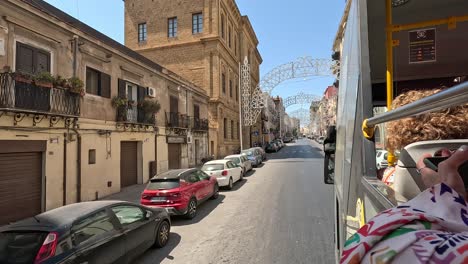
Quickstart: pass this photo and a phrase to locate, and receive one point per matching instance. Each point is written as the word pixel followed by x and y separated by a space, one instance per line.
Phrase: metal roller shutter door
pixel 20 185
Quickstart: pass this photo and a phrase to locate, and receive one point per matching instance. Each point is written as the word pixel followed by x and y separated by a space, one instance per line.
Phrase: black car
pixel 272 147
pixel 89 232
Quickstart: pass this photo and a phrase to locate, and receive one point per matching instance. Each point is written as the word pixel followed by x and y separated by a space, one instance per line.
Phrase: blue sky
pixel 286 30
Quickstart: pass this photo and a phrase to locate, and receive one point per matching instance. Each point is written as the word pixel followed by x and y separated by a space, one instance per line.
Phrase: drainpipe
pixel 75 52
pixel 78 166
pixel 65 168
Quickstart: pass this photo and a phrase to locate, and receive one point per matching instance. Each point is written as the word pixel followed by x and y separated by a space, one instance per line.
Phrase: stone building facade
pixel 60 145
pixel 204 42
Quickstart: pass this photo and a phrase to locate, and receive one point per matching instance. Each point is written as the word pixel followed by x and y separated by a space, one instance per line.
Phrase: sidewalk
pixel 129 194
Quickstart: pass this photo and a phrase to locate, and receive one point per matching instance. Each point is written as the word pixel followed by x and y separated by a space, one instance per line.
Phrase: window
pixel 213 167
pixel 230 88
pixel 232 129
pixel 197 23
pixel 94 226
pixel 172 27
pixel 230 165
pixel 237 92
pixel 92 156
pixel 223 82
pixel 142 33
pixel 97 83
pixel 222 25
pixel 31 60
pixel 238 130
pixel 192 178
pixel 235 45
pixel 201 175
pixel 196 111
pixel 225 128
pixel 128 214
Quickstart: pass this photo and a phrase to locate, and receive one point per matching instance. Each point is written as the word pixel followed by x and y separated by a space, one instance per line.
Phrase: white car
pixel 225 171
pixel 242 160
pixel 381 159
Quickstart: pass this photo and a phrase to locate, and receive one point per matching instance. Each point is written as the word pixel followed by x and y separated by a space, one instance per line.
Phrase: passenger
pixel 431 228
pixel 447 124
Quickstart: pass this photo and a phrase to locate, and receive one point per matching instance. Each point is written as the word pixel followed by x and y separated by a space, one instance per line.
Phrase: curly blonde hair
pixel 451 123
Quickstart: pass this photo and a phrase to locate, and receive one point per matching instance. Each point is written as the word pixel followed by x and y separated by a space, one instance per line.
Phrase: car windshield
pixel 248 152
pixel 235 160
pixel 163 184
pixel 213 167
pixel 20 247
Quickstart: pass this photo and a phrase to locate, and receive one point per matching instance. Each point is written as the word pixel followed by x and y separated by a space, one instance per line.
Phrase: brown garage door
pixel 20 185
pixel 174 156
pixel 128 164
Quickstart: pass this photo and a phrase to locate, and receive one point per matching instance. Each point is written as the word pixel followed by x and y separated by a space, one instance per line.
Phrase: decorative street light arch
pixel 300 99
pixel 253 100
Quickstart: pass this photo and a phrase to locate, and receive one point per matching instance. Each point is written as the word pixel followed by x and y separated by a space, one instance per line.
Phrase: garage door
pixel 128 164
pixel 20 185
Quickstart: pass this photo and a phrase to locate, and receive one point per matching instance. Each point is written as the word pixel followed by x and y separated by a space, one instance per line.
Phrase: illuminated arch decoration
pixel 301 114
pixel 301 99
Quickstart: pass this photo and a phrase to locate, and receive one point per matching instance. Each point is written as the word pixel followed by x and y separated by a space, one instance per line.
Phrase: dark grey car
pixel 89 232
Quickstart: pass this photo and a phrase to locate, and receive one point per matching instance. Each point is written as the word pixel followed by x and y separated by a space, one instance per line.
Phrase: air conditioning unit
pixel 151 92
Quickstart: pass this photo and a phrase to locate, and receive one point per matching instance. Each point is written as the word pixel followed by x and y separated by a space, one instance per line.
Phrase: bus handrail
pixel 450 97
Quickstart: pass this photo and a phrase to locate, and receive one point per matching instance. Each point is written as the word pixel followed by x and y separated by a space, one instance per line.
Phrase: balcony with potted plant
pixel 37 94
pixel 133 112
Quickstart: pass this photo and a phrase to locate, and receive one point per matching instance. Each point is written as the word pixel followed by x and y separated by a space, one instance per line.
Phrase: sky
pixel 286 30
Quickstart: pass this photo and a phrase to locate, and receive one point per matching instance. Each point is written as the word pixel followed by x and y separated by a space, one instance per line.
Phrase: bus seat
pixel 407 181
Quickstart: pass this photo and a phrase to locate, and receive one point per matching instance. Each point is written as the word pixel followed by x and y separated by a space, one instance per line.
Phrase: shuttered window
pixel 97 83
pixel 31 60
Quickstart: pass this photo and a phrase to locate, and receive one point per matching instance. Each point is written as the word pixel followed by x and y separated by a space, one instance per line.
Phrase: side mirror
pixel 329 169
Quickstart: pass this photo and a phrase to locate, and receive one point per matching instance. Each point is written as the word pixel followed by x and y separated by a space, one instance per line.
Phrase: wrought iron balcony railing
pixel 135 115
pixel 177 120
pixel 28 97
pixel 199 124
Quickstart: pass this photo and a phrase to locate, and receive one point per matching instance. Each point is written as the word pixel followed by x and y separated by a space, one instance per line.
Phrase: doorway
pixel 174 156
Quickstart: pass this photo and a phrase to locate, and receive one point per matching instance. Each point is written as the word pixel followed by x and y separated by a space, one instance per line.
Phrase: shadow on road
pixel 236 186
pixel 159 254
pixel 297 152
pixel 249 173
pixel 203 210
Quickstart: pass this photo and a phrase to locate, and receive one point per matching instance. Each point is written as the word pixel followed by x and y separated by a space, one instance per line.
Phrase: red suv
pixel 180 191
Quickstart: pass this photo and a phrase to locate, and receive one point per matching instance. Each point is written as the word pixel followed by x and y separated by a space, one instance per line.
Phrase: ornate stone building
pixel 203 41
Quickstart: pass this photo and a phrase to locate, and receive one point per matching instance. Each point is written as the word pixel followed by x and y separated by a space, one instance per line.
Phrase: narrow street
pixel 281 213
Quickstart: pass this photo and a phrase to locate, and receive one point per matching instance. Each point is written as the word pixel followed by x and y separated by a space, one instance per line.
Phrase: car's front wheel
pixel 191 209
pixel 215 192
pixel 162 235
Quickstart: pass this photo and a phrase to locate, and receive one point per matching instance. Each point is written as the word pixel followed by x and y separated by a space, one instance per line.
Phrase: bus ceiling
pixel 428 39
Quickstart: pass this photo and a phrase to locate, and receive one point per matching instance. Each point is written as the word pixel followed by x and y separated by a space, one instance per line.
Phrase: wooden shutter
pixel 196 111
pixel 105 85
pixel 42 61
pixel 121 88
pixel 24 58
pixel 141 94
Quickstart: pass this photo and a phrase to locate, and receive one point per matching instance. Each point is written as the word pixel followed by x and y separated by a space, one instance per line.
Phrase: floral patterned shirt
pixel 431 228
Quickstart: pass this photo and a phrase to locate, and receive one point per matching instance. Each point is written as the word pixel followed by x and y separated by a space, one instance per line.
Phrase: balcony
pixel 134 115
pixel 25 97
pixel 198 124
pixel 177 120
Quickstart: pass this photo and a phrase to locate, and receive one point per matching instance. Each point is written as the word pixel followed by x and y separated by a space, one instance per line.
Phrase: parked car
pixel 288 139
pixel 320 140
pixel 254 155
pixel 88 232
pixel 272 147
pixel 180 192
pixel 280 143
pixel 381 159
pixel 242 161
pixel 262 151
pixel 225 171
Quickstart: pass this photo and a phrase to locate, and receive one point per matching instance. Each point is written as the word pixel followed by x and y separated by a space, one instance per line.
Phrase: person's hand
pixel 428 176
pixel 448 170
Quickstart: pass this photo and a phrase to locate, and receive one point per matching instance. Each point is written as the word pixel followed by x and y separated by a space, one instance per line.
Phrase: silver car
pixel 242 161
pixel 254 155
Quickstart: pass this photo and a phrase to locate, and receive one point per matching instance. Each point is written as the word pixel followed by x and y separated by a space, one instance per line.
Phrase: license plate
pixel 158 199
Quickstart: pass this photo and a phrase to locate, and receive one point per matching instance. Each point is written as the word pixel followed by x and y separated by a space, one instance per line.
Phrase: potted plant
pixel 76 86
pixel 150 108
pixel 131 103
pixel 121 104
pixel 60 82
pixel 23 77
pixel 44 79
